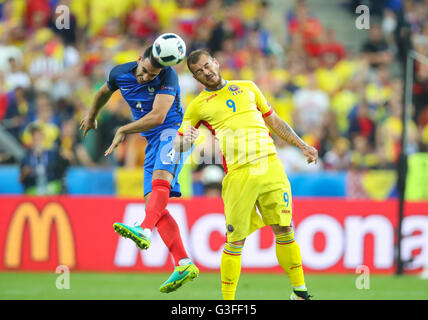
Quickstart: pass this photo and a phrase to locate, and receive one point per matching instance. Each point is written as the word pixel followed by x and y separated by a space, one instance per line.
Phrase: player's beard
pixel 140 80
pixel 214 82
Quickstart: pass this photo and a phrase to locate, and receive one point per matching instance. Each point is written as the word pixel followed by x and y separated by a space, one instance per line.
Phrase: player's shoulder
pixel 204 96
pixel 122 69
pixel 168 72
pixel 198 99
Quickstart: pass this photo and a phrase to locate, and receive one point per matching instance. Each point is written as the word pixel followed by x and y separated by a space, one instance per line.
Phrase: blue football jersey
pixel 140 97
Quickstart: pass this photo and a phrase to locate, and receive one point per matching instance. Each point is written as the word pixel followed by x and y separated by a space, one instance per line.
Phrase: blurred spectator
pixel 143 22
pixel 7 52
pixel 4 99
pixel 388 136
pixel 186 17
pixel 362 124
pixel 17 112
pixel 389 26
pixel 37 13
pixel 166 11
pixel 110 120
pixel 343 102
pixel 382 162
pixel 45 121
pixel 339 157
pixel 230 27
pixel 41 171
pixel 420 94
pixel 310 104
pixel 326 133
pixel 379 91
pixel 271 20
pixel 303 23
pixel 46 61
pixel 16 77
pixel 362 157
pixel 71 150
pixel 376 48
pixel 326 47
pixel 200 37
pixel 64 110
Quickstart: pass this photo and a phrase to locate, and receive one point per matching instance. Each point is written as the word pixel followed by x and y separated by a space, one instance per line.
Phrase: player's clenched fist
pixel 310 153
pixel 191 135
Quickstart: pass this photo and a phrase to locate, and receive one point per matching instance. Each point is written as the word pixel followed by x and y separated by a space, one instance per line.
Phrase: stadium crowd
pixel 346 104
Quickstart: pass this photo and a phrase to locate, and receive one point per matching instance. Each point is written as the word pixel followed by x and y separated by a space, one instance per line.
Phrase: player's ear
pixel 193 75
pixel 216 62
pixel 140 58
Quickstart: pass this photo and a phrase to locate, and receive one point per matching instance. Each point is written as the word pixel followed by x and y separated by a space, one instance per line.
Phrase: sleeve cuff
pixel 267 114
pixel 109 86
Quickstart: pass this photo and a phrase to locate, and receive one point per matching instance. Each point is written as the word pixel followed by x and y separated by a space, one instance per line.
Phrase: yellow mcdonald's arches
pixel 39 227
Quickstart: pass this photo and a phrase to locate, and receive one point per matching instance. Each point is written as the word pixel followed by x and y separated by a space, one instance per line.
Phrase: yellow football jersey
pixel 234 114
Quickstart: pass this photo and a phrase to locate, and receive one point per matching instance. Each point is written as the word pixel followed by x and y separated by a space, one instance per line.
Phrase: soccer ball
pixel 169 49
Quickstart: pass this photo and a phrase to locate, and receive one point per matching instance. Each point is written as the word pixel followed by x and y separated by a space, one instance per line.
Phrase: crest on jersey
pixel 234 89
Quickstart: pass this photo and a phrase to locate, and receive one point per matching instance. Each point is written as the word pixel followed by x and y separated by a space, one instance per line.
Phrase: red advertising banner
pixel 40 233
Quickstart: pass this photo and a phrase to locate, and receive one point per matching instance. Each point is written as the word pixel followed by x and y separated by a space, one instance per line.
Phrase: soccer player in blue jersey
pixel 153 94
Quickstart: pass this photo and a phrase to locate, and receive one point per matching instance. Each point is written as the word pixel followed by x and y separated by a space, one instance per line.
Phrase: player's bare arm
pixel 183 143
pixel 89 122
pixel 284 131
pixel 153 119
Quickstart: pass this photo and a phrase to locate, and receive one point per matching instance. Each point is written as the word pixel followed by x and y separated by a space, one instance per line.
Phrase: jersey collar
pixel 218 88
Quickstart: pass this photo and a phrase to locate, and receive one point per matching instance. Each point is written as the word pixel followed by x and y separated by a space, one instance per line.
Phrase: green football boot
pixel 136 234
pixel 180 276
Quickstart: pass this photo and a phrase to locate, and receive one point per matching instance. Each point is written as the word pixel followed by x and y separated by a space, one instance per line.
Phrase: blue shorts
pixel 160 155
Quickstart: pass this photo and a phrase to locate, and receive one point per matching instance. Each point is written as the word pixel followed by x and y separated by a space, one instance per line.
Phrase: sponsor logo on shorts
pixel 285 211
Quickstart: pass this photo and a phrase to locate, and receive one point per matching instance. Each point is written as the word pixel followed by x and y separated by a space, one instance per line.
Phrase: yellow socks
pixel 230 270
pixel 289 258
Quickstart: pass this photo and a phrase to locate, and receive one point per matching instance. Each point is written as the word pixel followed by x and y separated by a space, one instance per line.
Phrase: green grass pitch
pixel 145 286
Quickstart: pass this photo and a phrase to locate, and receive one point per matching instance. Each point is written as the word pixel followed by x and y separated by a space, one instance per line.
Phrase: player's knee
pixel 162 175
pixel 277 229
pixel 237 243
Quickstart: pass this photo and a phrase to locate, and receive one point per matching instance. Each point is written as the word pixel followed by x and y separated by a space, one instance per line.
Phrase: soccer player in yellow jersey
pixel 237 114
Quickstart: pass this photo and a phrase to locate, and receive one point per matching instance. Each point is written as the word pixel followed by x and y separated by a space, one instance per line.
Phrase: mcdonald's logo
pixel 40 224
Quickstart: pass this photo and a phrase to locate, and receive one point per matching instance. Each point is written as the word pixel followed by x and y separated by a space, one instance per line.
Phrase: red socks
pixel 157 203
pixel 170 234
pixel 157 215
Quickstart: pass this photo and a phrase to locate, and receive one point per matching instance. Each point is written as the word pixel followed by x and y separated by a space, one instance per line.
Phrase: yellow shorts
pixel 263 186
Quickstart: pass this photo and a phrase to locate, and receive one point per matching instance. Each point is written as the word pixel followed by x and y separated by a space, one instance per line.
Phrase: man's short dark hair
pixel 149 54
pixel 34 127
pixel 194 56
